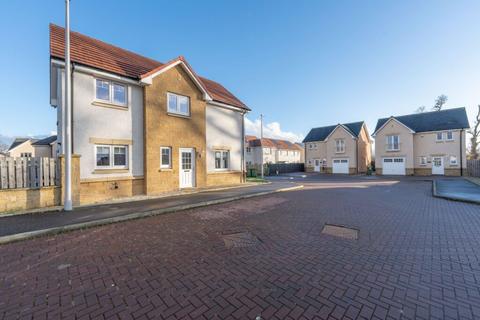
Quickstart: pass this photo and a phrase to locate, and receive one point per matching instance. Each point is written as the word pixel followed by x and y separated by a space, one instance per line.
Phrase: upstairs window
pixel 178 104
pixel 110 92
pixel 340 146
pixel 439 136
pixel 249 149
pixel 393 143
pixel 449 135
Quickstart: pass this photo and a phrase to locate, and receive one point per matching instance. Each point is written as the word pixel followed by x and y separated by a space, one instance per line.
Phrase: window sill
pixel 101 171
pixel 219 171
pixel 165 170
pixel 110 105
pixel 393 150
pixel 450 141
pixel 185 116
pixel 339 152
pixel 439 141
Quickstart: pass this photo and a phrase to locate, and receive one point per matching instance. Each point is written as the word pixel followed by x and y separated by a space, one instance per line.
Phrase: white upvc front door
pixel 437 166
pixel 317 165
pixel 187 167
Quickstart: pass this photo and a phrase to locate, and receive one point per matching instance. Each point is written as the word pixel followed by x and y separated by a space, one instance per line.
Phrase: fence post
pixel 75 178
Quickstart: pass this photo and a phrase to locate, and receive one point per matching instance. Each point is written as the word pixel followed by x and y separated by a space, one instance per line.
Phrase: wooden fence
pixel 473 168
pixel 28 173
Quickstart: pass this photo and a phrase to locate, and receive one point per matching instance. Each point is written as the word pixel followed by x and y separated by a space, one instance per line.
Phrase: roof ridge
pixel 426 112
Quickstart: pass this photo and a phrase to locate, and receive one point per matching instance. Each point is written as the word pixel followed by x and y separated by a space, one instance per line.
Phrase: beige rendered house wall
pixel 364 151
pixel 393 127
pixel 350 148
pixel 25 147
pixel 426 145
pixel 314 150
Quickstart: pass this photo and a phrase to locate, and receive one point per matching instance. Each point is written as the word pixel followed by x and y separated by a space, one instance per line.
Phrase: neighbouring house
pixel 29 147
pixel 21 147
pixel 271 150
pixel 342 148
pixel 46 147
pixel 428 143
pixel 144 127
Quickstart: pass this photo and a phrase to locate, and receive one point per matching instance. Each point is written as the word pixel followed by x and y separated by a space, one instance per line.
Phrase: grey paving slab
pixel 458 189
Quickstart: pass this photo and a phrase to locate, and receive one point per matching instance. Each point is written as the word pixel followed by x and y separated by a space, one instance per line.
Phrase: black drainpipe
pixel 461 154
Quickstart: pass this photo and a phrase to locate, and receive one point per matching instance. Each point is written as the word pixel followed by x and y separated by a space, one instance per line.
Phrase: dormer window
pixel 178 104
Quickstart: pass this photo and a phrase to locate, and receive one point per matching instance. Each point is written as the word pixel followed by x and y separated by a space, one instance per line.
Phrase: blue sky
pixel 301 63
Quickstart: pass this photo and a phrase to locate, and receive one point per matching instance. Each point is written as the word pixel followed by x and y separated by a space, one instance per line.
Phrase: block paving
pixel 417 257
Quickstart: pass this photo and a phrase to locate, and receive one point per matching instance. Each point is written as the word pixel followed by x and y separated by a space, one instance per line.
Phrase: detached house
pixel 342 148
pixel 144 127
pixel 429 143
pixel 267 150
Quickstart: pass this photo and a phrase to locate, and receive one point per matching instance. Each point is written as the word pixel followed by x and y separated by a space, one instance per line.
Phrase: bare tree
pixel 421 109
pixel 440 102
pixel 474 140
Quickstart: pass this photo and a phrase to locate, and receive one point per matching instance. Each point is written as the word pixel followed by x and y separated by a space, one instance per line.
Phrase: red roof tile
pixel 274 143
pixel 98 54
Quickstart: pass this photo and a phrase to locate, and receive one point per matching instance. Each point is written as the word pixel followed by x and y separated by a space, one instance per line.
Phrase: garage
pixel 394 166
pixel 340 166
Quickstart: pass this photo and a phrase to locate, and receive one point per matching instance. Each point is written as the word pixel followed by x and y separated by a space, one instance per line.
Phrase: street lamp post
pixel 68 116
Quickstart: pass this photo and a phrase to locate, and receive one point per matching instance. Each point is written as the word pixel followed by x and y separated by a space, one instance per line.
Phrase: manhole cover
pixel 240 240
pixel 340 231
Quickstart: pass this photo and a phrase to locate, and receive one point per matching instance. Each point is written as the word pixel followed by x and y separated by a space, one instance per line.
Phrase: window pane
pixel 225 159
pixel 439 136
pixel 103 90
pixel 119 156
pixel 449 135
pixel 218 159
pixel 166 157
pixel 184 105
pixel 103 156
pixel 172 103
pixel 119 94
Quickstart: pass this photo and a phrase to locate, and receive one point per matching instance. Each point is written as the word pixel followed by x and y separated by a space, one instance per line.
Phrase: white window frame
pixel 340 146
pixel 453 163
pixel 169 165
pixel 249 149
pixel 422 162
pixel 436 136
pixel 446 136
pixel 110 92
pixel 177 111
pixel 222 158
pixel 111 155
pixel 391 146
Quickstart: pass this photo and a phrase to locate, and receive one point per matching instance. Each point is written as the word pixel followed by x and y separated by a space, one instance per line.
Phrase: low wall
pixel 25 199
pixel 99 190
pixel 224 178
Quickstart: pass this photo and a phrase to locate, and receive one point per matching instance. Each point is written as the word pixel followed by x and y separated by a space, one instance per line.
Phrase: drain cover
pixel 240 240
pixel 340 231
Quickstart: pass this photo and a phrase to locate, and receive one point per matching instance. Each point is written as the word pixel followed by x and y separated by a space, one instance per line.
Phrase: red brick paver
pixel 417 257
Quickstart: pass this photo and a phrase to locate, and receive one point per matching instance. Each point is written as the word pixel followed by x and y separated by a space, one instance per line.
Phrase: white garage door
pixel 340 166
pixel 394 166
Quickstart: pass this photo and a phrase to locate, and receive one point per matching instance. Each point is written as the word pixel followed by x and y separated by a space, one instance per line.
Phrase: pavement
pixel 457 189
pixel 416 257
pixel 18 227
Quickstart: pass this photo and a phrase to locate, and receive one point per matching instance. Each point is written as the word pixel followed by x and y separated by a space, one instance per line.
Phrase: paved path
pixel 10 225
pixel 417 257
pixel 459 189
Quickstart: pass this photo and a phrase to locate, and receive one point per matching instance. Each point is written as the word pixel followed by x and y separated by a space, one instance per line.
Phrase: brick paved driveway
pixel 417 257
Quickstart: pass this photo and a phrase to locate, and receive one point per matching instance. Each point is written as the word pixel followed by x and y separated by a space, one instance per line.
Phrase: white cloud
pixel 271 130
